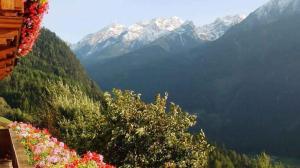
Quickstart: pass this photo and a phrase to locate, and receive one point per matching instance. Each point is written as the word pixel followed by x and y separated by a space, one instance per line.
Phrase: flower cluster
pixel 89 160
pixel 34 11
pixel 45 151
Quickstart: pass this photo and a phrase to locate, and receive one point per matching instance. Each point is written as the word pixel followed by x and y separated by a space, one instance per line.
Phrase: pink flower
pixel 61 144
pixel 41 164
pixel 54 140
pixel 101 158
pixel 53 159
pixel 56 151
pixel 37 151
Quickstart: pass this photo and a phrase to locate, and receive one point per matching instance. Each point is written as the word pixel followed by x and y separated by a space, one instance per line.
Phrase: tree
pixel 151 135
pixel 264 161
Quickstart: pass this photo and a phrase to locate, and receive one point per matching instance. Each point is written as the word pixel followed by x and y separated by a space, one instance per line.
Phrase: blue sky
pixel 73 19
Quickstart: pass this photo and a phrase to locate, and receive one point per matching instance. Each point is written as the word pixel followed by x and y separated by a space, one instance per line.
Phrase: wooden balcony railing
pixel 12 152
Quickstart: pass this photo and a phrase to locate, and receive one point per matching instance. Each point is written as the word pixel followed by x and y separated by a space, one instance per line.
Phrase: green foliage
pixel 128 131
pixel 222 158
pixel 75 115
pixel 265 161
pixel 132 133
pixel 14 114
pixel 149 135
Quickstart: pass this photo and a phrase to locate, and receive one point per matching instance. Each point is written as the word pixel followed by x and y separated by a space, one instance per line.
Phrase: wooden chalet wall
pixel 11 21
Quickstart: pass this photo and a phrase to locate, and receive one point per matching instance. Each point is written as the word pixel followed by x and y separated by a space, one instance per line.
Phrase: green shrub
pixel 128 131
pixel 75 116
pixel 151 135
pixel 265 161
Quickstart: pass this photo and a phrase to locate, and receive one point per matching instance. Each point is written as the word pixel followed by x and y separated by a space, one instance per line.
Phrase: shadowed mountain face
pixel 253 81
pixel 245 86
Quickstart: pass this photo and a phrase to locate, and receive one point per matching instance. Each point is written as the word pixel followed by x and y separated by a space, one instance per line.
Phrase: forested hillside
pixel 50 60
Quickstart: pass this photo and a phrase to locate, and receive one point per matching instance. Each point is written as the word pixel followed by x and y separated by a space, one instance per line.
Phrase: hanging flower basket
pixel 34 11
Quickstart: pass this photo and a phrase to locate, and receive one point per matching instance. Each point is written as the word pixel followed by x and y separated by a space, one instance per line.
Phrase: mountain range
pixel 116 40
pixel 241 79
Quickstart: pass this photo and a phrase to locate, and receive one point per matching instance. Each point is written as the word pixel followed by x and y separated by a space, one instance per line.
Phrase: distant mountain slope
pixel 219 27
pixel 245 86
pixel 50 60
pixel 275 9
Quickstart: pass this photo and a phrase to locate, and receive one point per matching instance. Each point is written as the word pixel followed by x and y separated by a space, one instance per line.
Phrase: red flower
pixel 33 15
pixel 36 158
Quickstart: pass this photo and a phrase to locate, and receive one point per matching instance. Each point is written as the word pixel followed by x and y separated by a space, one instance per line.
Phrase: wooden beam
pixel 10 19
pixel 3 75
pixel 7 51
pixel 6 63
pixel 7 5
pixel 19 5
pixel 8 33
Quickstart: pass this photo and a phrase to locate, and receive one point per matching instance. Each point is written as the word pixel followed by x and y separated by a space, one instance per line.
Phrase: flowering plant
pixel 45 151
pixel 89 160
pixel 34 11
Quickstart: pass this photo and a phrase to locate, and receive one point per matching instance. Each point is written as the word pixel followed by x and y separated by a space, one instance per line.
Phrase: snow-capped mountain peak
pixel 104 34
pixel 168 24
pixel 186 26
pixel 113 30
pixel 215 30
pixel 133 32
pixel 148 31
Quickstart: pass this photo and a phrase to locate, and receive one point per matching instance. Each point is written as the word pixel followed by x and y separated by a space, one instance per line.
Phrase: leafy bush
pixel 128 131
pixel 75 116
pixel 149 135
